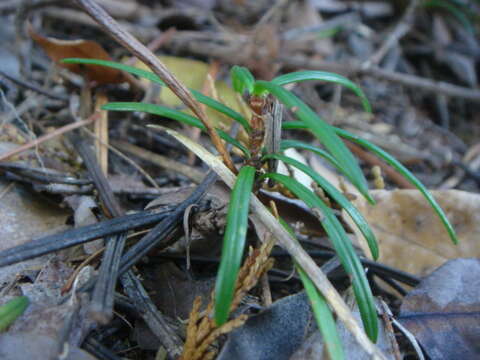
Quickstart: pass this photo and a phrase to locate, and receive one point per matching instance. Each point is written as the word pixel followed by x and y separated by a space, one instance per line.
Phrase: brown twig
pixel 156 43
pixel 46 137
pixel 387 316
pixel 145 55
pixel 162 39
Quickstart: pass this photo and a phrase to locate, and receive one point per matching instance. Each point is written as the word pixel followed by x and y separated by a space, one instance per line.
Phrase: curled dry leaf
pixel 58 49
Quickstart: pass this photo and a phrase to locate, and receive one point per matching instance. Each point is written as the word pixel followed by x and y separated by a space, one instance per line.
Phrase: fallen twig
pixel 96 348
pixel 142 171
pixel 161 231
pixel 101 306
pixel 41 174
pixel 379 269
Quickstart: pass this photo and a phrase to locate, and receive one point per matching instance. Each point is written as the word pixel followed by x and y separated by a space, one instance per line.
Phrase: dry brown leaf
pixel 410 234
pixel 58 49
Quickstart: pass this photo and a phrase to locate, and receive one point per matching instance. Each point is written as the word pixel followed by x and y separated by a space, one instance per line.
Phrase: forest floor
pixel 112 228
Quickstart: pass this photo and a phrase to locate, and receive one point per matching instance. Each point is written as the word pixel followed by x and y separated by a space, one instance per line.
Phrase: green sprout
pixel 251 172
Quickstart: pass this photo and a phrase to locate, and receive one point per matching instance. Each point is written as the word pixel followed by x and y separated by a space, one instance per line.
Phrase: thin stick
pixel 151 315
pixel 77 236
pixel 46 137
pixel 145 55
pixel 101 305
pixel 159 236
pixel 153 46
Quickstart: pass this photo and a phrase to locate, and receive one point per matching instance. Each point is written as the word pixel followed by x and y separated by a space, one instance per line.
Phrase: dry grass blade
pixel 292 247
pixel 202 330
pixel 145 55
